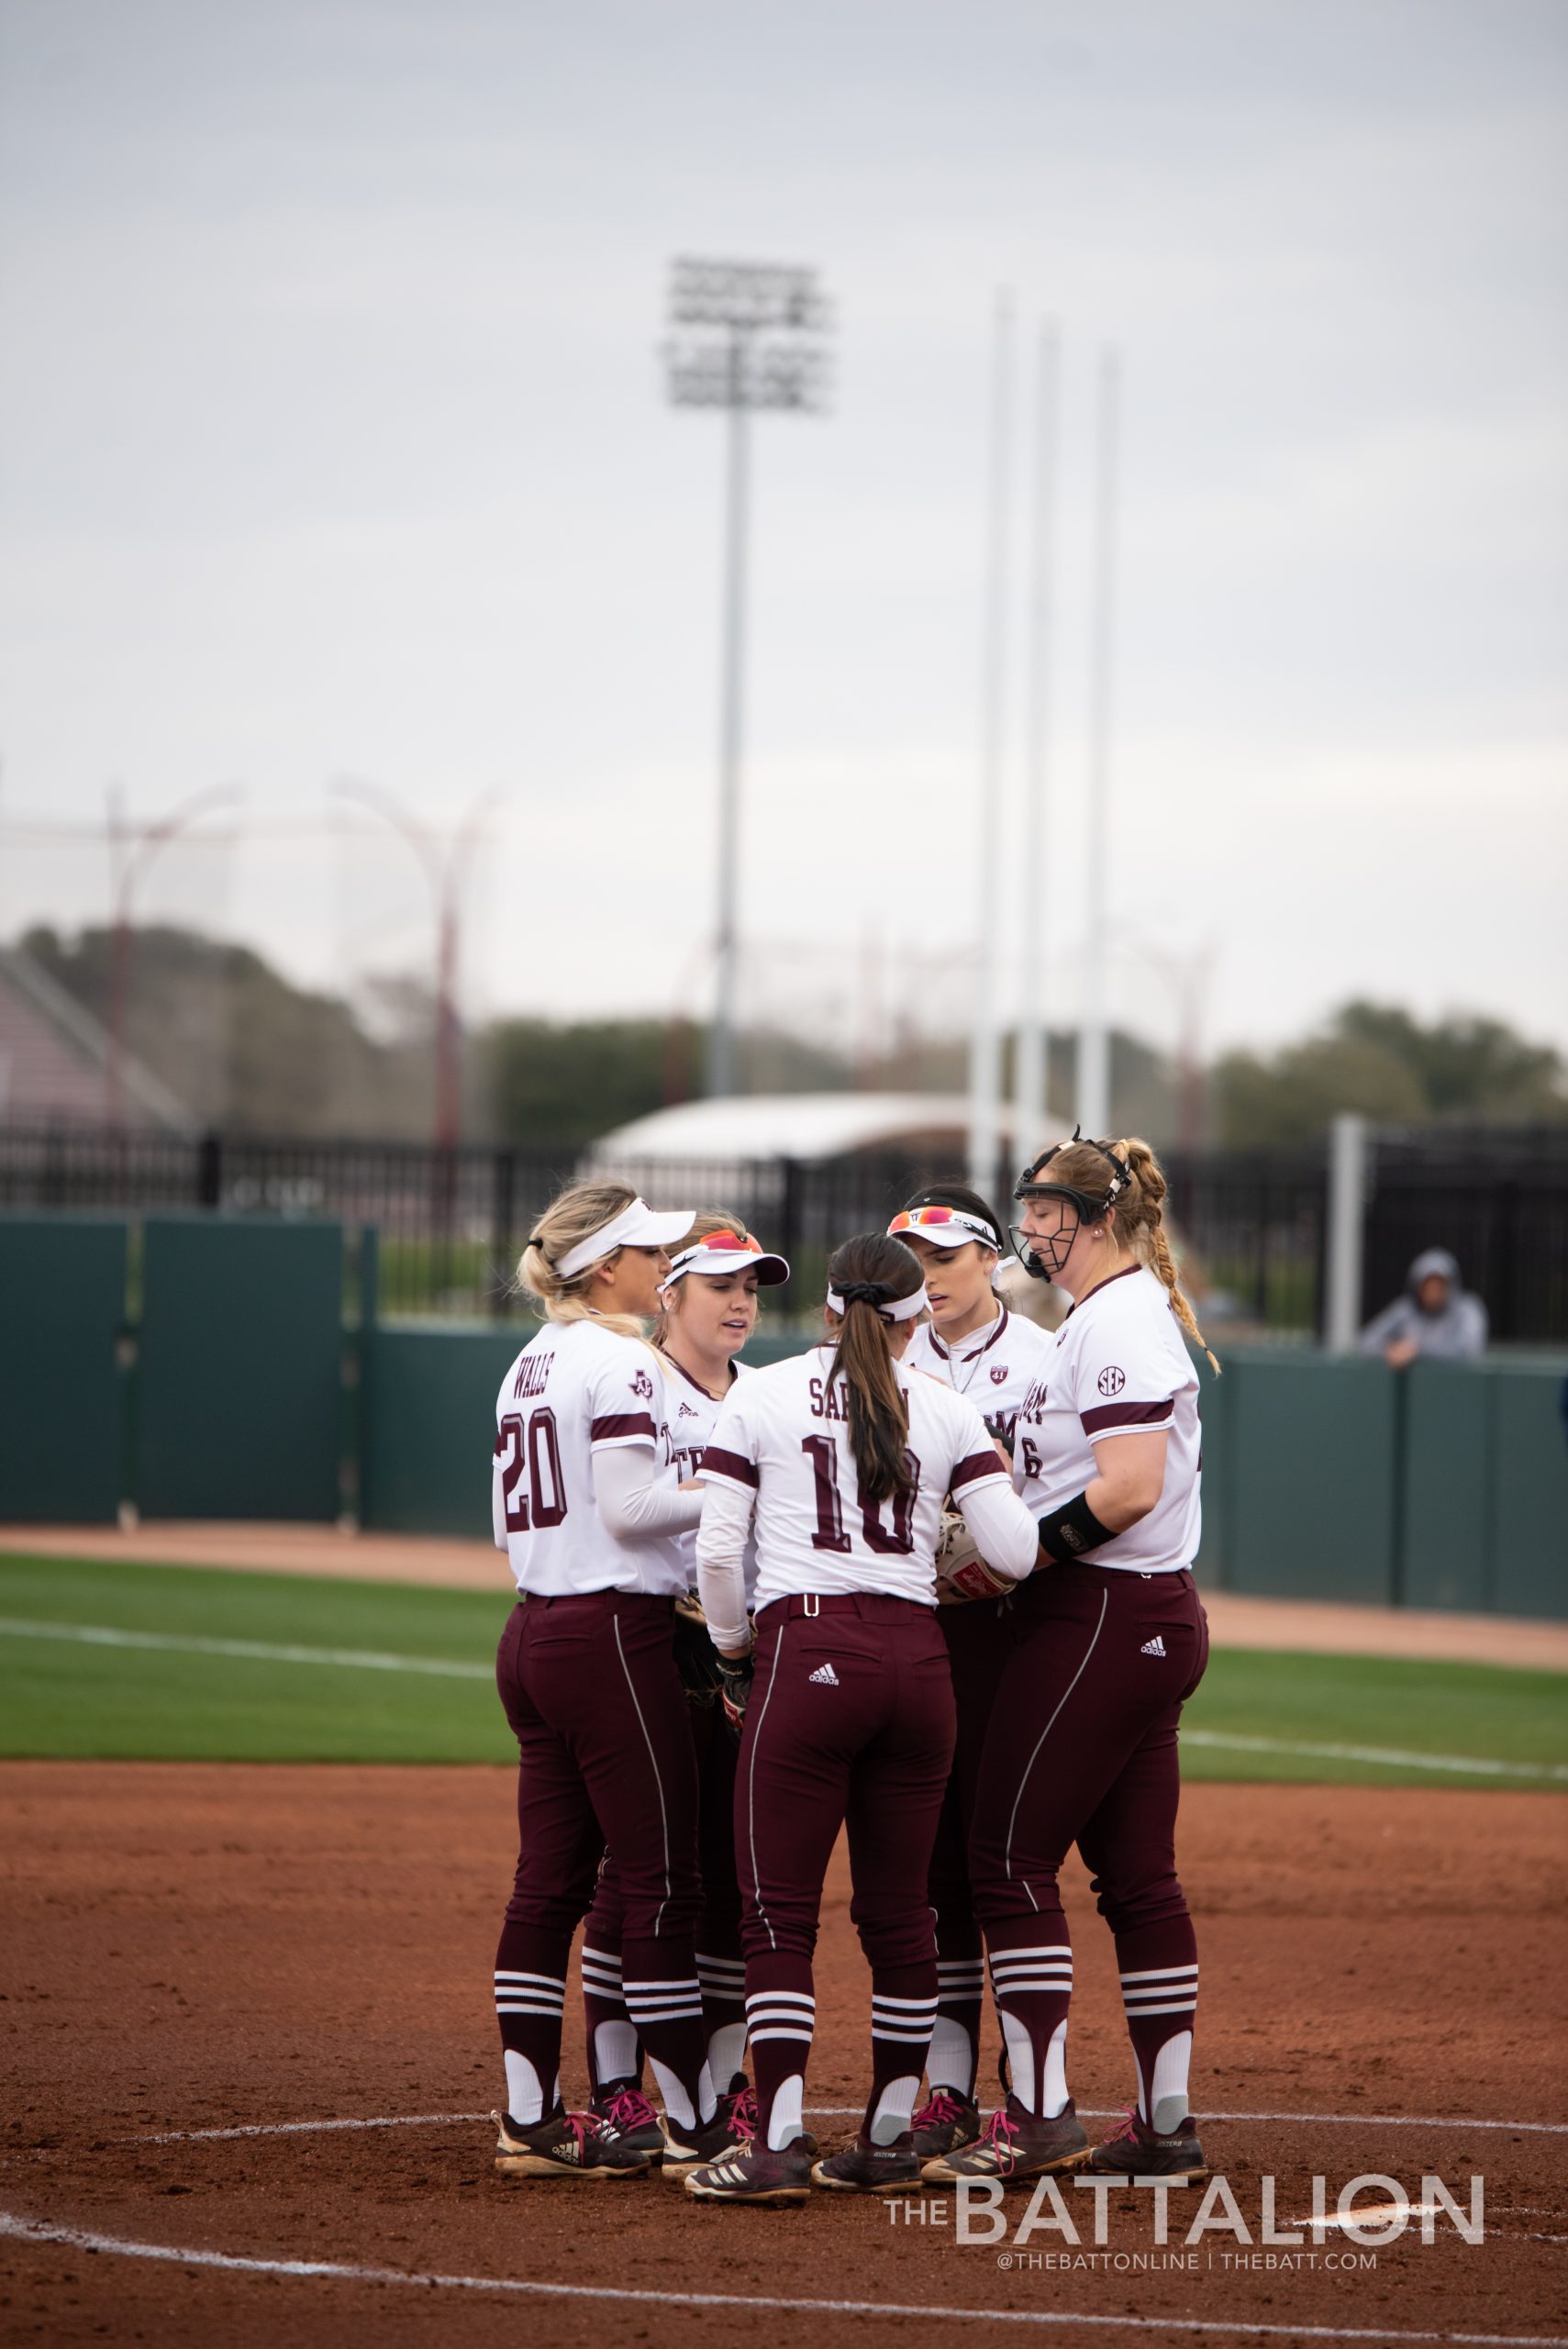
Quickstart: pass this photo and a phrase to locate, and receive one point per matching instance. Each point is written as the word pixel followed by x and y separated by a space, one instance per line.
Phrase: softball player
pixel 843 1462
pixel 1109 1640
pixel 976 1346
pixel 593 1530
pixel 707 1309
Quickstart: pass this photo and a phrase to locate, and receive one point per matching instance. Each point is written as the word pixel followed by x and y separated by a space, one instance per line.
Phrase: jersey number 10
pixel 830 1534
pixel 532 1443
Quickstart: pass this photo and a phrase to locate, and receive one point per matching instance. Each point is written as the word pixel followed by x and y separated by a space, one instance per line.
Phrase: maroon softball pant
pixel 605 1756
pixel 613 2051
pixel 851 1722
pixel 979 1641
pixel 1081 1748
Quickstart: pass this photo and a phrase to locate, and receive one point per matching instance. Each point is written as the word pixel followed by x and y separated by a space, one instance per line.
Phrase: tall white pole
pixel 1094 1087
pixel 721 1071
pixel 1029 1086
pixel 985 1045
pixel 1347 1217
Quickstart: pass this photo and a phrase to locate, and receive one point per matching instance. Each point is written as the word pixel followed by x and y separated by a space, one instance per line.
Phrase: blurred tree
pixel 1378 1059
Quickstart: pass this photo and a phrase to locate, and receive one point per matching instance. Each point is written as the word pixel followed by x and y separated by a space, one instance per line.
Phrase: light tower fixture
pixel 748 335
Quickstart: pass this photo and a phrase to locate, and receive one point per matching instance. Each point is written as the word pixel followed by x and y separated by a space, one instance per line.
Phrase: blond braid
pixel 1141 1220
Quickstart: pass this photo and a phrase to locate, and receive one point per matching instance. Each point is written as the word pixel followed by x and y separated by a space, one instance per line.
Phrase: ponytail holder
pixel 877 1294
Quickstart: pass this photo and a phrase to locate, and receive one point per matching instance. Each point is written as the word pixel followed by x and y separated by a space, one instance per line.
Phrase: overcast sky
pixel 335 442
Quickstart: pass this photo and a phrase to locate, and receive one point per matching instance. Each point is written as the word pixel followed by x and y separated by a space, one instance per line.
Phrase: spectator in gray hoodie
pixel 1436 1317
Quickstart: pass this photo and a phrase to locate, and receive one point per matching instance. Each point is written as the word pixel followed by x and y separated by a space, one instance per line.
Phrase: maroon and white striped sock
pixel 664 2000
pixel 903 2008
pixel 781 2016
pixel 1032 1981
pixel 530 1993
pixel 955 2060
pixel 723 1978
pixel 613 2051
pixel 1158 1994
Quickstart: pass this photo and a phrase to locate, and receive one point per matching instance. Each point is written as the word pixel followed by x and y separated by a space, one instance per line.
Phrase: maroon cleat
pixel 566 2144
pixel 755 2173
pixel 1138 2151
pixel 944 2123
pixel 1016 2145
pixel 865 2168
pixel 621 2106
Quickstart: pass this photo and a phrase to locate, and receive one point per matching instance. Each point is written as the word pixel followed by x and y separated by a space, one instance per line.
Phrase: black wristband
pixel 1068 1531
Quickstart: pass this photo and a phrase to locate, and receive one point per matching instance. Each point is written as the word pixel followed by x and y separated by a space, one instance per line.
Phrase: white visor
pixel 635 1227
pixel 704 1257
pixel 897 1309
pixel 956 1231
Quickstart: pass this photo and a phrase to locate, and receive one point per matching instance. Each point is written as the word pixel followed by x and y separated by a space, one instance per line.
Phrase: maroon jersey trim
pixel 1125 1274
pixel 970 1471
pixel 622 1424
pixel 1127 1415
pixel 717 1462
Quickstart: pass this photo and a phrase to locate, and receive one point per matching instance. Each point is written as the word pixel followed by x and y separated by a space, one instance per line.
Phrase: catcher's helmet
pixel 1088 1207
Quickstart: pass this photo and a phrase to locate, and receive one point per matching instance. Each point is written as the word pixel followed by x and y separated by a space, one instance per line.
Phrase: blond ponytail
pixel 1143 1223
pixel 571 1218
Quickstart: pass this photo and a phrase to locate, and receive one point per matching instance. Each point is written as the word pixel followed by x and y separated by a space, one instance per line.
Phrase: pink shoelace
pixel 743 2113
pixel 629 2109
pixel 1128 2128
pixel 940 2113
pixel 998 2133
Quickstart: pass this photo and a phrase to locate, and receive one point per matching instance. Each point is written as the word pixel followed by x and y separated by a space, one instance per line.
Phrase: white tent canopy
pixel 805 1125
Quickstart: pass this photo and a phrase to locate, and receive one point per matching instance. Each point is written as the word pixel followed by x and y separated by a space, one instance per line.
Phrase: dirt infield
pixel 195 1948
pixel 1236 1619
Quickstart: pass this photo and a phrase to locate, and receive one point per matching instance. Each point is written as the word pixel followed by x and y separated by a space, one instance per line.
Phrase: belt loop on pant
pixel 812 1604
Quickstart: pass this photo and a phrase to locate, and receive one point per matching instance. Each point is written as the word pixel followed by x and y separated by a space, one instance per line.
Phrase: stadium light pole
pixel 1093 1071
pixel 133 849
pixel 749 335
pixel 1029 1087
pixel 985 1043
pixel 443 860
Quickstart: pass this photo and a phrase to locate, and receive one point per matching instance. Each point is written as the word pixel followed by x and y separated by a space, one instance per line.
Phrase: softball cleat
pixel 567 2144
pixel 731 2130
pixel 944 2123
pixel 1016 2145
pixel 1138 2151
pixel 621 2106
pixel 756 2174
pixel 865 2168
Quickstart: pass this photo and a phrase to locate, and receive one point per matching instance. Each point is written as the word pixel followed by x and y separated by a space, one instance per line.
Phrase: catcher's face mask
pixel 1059 1211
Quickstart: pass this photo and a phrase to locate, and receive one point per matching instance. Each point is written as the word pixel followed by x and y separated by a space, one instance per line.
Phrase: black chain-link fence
pixel 1252 1224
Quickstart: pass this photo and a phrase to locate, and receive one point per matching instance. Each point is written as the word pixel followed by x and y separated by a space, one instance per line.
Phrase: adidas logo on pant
pixel 1156 1646
pixel 826 1674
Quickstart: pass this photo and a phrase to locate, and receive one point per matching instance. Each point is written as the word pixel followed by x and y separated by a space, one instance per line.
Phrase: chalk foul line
pixel 104 1635
pixel 852 2112
pixel 108 1635
pixel 1389 1757
pixel 39 2231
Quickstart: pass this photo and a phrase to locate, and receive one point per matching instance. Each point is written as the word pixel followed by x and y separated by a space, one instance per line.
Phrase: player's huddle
pixel 927 1580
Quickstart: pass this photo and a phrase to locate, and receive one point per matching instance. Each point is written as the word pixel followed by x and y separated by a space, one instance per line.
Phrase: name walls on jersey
pixel 679 1452
pixel 1370 2211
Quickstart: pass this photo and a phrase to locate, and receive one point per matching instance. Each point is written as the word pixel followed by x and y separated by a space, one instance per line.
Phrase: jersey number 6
pixel 535 1441
pixel 830 1533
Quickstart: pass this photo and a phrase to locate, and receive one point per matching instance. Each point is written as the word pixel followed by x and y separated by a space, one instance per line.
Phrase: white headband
pixel 636 1226
pixel 897 1309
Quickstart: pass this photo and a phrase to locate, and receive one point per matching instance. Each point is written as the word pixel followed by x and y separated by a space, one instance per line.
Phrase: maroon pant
pixel 720 1968
pixel 1081 1748
pixel 851 1722
pixel 979 1641
pixel 605 1756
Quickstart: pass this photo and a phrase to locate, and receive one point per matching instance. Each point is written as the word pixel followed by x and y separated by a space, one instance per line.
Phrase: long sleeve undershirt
pixel 631 1503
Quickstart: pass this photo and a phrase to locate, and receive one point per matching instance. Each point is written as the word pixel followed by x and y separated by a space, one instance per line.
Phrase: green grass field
pixel 175 1664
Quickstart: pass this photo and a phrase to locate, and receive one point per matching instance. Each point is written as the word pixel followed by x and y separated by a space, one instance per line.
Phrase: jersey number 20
pixel 532 1442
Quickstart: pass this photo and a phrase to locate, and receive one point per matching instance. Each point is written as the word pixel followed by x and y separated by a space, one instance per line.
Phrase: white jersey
pixel 783 1437
pixel 995 1366
pixel 691 1416
pixel 1118 1366
pixel 576 1389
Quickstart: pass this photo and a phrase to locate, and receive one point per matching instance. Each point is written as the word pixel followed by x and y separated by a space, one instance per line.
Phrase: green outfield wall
pixel 199 1366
